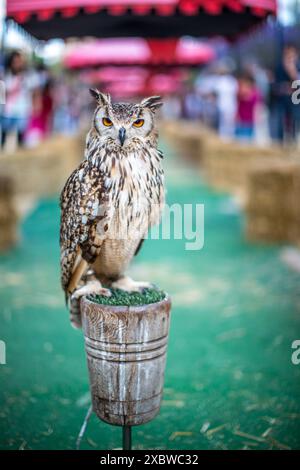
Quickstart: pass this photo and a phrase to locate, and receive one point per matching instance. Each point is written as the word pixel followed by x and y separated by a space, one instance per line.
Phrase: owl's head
pixel 122 124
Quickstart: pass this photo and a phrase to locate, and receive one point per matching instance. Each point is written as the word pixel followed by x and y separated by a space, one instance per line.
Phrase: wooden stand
pixel 126 355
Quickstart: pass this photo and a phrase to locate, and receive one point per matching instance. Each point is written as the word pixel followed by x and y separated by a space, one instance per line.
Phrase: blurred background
pixel 229 130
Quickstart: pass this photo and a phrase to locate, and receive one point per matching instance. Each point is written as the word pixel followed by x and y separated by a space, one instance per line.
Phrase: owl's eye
pixel 139 123
pixel 107 122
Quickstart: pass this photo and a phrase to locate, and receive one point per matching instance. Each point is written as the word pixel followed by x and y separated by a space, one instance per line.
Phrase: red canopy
pixel 107 18
pixel 21 10
pixel 108 52
pixel 135 81
pixel 138 51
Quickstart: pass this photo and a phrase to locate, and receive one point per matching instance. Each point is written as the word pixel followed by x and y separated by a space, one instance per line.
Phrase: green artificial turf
pixel 229 380
pixel 121 297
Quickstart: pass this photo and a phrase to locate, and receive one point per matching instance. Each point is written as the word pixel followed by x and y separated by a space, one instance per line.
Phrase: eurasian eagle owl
pixel 112 198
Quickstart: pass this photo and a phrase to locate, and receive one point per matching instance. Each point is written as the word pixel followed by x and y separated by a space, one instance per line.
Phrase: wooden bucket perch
pixel 126 355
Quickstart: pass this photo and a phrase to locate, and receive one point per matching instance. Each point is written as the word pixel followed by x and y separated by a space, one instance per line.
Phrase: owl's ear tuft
pixel 101 98
pixel 152 102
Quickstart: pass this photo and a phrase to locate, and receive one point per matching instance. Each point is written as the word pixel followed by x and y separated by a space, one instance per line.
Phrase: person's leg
pixel 277 121
pixel 227 123
pixel 20 137
pixel 273 122
pixel 21 125
pixel 3 137
pixel 244 132
pixel 5 128
pixel 249 132
pixel 295 120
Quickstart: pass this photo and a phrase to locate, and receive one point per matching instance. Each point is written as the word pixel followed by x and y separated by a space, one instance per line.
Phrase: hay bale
pixel 272 210
pixel 8 214
pixel 227 163
pixel 186 138
pixel 168 129
pixel 43 170
pixel 296 201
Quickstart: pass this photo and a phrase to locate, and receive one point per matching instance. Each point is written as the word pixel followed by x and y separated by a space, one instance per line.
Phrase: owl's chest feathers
pixel 133 178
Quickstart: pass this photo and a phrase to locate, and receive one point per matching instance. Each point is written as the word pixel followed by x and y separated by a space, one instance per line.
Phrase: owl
pixel 111 200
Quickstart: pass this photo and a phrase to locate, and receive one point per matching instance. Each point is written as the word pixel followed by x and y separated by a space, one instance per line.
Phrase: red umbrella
pixel 145 18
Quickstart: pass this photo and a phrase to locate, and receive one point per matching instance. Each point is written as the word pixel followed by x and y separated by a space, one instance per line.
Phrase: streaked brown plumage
pixel 112 198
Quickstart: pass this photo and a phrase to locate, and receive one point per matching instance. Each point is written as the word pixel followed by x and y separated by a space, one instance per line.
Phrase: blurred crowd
pixel 37 103
pixel 28 107
pixel 253 104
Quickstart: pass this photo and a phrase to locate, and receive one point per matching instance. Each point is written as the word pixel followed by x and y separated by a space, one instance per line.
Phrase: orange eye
pixel 107 122
pixel 139 123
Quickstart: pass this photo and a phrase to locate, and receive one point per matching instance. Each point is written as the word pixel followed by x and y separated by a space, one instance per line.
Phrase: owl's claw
pixel 91 288
pixel 129 285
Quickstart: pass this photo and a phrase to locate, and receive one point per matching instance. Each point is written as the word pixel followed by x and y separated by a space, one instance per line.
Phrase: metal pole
pixel 126 431
pixel 83 427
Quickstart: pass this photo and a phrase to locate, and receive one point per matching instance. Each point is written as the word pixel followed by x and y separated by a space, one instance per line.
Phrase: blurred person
pixel 61 116
pixel 172 107
pixel 225 86
pixel 75 106
pixel 248 97
pixel 39 124
pixel 210 111
pixel 262 80
pixel 68 106
pixel 47 114
pixel 191 103
pixel 284 115
pixel 17 104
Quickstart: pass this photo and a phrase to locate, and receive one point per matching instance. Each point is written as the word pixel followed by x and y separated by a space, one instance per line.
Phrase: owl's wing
pixel 84 203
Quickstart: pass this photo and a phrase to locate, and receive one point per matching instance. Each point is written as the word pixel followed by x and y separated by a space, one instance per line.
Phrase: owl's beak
pixel 122 135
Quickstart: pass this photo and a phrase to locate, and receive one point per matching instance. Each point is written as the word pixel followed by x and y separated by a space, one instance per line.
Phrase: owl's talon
pixel 91 288
pixel 103 291
pixel 129 285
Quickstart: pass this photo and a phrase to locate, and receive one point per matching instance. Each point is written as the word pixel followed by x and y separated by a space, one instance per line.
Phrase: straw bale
pixel 186 138
pixel 8 215
pixel 42 170
pixel 272 210
pixel 227 163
